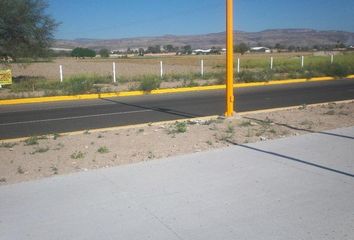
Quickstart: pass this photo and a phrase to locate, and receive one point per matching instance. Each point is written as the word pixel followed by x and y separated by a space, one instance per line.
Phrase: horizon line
pixel 185 35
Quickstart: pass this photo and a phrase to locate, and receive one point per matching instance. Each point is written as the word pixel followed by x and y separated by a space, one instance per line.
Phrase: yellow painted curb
pixel 159 91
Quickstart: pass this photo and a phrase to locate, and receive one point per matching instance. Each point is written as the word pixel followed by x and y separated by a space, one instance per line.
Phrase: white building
pixel 61 49
pixel 260 49
pixel 201 51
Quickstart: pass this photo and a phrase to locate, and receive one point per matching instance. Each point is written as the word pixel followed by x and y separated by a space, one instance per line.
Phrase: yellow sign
pixel 5 77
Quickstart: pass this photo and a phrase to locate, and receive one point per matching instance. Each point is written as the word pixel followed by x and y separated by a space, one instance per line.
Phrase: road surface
pixel 45 118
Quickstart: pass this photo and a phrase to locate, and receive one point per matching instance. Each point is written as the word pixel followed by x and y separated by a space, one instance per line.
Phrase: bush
pixel 335 70
pixel 178 127
pixel 83 84
pixel 104 53
pixel 248 76
pixel 307 73
pixel 103 150
pixel 149 83
pixel 83 52
pixel 77 85
pixel 31 141
pixel 190 83
pixel 73 85
pixel 29 84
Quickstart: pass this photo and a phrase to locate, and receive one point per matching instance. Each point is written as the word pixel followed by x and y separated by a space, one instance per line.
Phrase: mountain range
pixel 285 37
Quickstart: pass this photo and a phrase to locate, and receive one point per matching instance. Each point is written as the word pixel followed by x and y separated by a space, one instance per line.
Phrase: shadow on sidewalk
pixel 293 159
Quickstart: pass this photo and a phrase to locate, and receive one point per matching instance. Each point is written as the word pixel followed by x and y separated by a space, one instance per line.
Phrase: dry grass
pixel 131 67
pixel 42 78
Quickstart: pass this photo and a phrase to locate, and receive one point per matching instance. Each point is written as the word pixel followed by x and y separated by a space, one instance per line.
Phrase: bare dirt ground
pixel 46 156
pixel 132 67
pixel 126 68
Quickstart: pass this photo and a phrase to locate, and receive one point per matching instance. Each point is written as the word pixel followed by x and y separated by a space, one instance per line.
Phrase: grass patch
pixel 7 145
pixel 273 131
pixel 77 155
pixel 59 147
pixel 56 136
pixel 255 76
pixel 330 112
pixel 225 137
pixel 103 150
pixel 31 141
pixel 78 84
pixel 151 155
pixel 149 83
pixel 141 130
pixel 245 124
pixel 40 150
pixel 306 122
pixel 230 129
pixel 178 127
pixel 302 107
pixel 20 170
pixel 55 170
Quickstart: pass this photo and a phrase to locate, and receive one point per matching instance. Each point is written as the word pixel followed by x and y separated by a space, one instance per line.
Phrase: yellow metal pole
pixel 229 59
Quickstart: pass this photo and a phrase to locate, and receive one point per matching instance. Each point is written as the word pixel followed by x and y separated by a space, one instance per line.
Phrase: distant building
pixel 202 51
pixel 260 50
pixel 61 49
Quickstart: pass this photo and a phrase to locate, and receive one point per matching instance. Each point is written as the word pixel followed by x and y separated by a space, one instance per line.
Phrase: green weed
pixel 149 83
pixel 77 155
pixel 31 141
pixel 103 150
pixel 178 127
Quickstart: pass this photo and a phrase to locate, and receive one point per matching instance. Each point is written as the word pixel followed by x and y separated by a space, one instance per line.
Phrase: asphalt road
pixel 45 118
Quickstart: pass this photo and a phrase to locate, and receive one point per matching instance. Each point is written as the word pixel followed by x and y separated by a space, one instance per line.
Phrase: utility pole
pixel 229 59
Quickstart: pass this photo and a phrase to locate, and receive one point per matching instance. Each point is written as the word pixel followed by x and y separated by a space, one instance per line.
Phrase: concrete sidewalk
pixel 294 188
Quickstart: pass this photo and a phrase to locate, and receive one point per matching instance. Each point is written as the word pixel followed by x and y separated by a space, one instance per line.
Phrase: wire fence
pixel 130 69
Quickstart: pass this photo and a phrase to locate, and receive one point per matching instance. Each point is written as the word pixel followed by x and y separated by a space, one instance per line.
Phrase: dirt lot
pixel 126 68
pixel 47 156
pixel 132 67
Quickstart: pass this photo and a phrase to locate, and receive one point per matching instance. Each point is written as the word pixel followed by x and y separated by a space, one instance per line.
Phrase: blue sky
pixel 132 18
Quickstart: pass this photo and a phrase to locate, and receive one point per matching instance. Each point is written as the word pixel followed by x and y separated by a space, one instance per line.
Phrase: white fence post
pixel 161 69
pixel 114 72
pixel 302 61
pixel 271 63
pixel 332 59
pixel 61 73
pixel 238 65
pixel 202 67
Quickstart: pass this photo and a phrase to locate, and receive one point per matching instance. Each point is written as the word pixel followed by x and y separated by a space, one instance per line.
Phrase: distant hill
pixel 286 37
